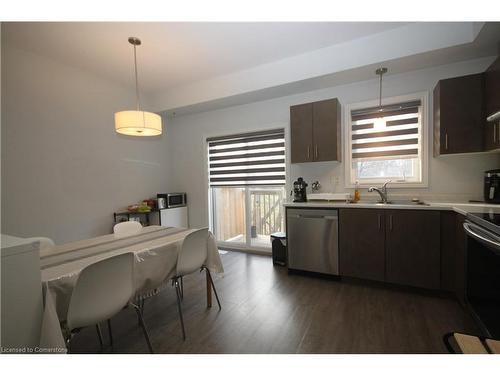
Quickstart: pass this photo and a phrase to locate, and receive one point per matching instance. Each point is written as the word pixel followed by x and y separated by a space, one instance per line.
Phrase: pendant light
pixel 380 72
pixel 137 122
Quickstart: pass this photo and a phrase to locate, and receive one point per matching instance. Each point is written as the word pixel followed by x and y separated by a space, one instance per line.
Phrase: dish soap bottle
pixel 357 194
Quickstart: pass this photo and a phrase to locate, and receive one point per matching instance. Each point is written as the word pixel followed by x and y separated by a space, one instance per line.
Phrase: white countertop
pixel 462 208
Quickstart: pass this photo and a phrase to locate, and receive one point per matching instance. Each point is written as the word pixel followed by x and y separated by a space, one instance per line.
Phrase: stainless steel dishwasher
pixel 312 240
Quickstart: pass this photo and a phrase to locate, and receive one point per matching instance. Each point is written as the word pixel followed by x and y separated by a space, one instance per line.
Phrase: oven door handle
pixel 474 231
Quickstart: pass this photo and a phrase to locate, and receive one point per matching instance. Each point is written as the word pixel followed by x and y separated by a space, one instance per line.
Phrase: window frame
pixel 424 137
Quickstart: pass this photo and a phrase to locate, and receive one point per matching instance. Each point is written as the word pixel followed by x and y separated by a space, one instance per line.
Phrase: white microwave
pixel 170 200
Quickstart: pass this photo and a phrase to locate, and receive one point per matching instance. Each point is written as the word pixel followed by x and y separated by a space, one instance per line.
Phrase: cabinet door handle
pixel 379 222
pixel 390 222
pixel 446 141
pixel 308 152
pixel 316 151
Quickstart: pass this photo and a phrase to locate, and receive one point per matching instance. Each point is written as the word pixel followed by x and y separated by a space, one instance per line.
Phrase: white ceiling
pixel 177 54
pixel 186 66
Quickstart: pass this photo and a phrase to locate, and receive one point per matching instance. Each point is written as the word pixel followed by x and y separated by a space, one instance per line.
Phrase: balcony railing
pixel 267 211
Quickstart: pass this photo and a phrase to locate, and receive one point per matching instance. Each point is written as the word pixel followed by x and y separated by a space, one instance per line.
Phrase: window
pixel 385 143
pixel 246 181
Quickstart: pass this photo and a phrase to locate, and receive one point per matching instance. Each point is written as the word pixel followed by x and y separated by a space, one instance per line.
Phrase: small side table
pixel 128 214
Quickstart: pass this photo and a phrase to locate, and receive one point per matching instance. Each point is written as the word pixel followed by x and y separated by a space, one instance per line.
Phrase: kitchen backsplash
pixel 454 178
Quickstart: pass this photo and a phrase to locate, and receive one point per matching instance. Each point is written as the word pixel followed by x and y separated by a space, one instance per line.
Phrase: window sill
pixel 391 185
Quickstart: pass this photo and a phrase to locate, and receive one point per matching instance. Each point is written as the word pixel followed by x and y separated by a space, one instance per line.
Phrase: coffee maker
pixel 299 190
pixel 492 186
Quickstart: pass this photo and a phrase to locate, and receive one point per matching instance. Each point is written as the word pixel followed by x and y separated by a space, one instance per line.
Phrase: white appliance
pixel 21 293
pixel 174 217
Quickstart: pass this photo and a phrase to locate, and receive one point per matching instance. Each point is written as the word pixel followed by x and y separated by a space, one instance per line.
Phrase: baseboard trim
pixel 248 251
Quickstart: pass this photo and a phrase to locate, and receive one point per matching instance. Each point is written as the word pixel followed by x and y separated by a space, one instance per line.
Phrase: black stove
pixel 491 217
pixel 483 270
pixel 488 220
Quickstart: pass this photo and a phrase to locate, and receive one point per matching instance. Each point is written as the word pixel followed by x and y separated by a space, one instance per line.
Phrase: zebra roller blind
pixel 247 159
pixel 387 132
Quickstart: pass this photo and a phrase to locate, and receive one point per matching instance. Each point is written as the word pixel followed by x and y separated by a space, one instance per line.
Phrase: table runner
pixel 62 254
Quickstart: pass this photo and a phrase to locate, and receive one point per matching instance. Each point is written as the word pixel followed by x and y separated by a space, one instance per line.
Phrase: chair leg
pixel 110 333
pixel 68 345
pixel 99 334
pixel 68 338
pixel 144 329
pixel 140 304
pixel 182 288
pixel 178 293
pixel 213 286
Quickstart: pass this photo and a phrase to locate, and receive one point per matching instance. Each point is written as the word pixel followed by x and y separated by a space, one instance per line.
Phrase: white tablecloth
pixel 155 248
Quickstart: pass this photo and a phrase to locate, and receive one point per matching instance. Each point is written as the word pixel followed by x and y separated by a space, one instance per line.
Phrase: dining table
pixel 155 250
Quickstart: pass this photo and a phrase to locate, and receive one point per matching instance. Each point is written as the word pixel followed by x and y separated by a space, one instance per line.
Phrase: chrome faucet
pixel 382 191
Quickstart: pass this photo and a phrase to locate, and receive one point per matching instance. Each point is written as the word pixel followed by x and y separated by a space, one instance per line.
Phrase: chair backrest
pixel 127 228
pixel 46 244
pixel 193 252
pixel 101 291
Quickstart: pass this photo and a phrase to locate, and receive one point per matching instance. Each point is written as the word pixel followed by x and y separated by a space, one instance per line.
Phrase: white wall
pixel 64 170
pixel 456 177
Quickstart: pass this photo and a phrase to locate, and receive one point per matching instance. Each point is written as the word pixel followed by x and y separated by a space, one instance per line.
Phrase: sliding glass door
pixel 246 217
pixel 246 179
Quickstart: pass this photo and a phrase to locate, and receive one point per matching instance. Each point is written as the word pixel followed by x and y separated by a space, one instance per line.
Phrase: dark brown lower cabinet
pixel 361 237
pixel 453 245
pixel 397 246
pixel 460 260
pixel 448 250
pixel 413 248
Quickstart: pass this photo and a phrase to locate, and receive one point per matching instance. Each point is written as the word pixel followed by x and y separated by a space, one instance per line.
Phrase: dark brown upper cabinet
pixel 459 115
pixel 316 131
pixel 301 135
pixel 492 105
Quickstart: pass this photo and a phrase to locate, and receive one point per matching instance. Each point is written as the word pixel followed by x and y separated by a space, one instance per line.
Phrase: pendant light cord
pixel 380 93
pixel 380 71
pixel 136 81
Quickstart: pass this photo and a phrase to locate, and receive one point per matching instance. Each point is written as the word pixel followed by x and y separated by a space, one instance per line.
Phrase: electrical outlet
pixel 335 182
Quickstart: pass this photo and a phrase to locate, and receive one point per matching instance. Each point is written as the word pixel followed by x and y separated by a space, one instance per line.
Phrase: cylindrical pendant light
pixel 137 122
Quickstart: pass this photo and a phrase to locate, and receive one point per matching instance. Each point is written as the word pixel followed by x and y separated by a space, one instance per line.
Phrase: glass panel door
pixel 245 217
pixel 229 211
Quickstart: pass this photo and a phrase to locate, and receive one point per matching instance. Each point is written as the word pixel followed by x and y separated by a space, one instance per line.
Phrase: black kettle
pixel 299 190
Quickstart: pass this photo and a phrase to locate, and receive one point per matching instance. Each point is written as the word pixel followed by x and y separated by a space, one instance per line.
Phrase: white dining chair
pixel 46 243
pixel 47 246
pixel 191 258
pixel 102 290
pixel 127 228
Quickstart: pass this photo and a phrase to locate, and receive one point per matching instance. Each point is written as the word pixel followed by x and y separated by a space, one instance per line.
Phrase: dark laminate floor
pixel 265 310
